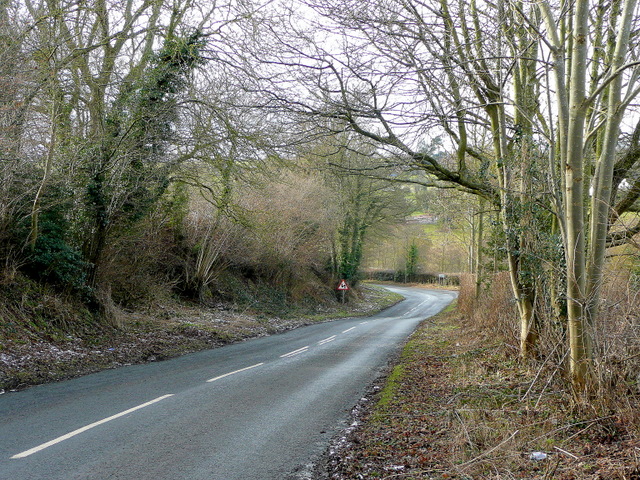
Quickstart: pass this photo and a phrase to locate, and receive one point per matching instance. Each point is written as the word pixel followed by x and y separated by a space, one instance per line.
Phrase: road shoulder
pixel 457 405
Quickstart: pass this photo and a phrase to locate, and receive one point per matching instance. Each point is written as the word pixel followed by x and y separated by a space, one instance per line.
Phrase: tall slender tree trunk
pixel 478 270
pixel 579 336
pixel 51 149
pixel 601 201
pixel 523 299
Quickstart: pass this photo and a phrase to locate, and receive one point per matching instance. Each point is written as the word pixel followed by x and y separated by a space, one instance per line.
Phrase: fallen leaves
pixel 459 408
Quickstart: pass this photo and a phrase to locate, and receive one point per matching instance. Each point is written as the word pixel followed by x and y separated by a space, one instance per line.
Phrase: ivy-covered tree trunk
pixel 411 262
pixel 129 169
pixel 351 240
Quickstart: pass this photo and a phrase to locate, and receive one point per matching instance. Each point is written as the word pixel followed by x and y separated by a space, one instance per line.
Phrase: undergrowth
pixel 46 337
pixel 31 310
pixel 461 405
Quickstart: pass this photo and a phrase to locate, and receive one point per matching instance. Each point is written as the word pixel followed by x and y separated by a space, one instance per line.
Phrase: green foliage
pixel 52 259
pixel 351 240
pixel 145 117
pixel 128 168
pixel 176 204
pixel 411 264
pixel 259 295
pixel 176 60
pixel 365 204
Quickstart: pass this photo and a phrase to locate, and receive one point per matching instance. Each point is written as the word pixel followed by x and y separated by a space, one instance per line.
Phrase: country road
pixel 263 409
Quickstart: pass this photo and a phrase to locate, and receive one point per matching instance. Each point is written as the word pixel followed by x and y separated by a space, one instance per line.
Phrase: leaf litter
pixel 459 407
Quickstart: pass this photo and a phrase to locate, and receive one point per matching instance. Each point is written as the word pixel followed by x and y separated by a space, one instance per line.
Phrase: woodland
pixel 155 148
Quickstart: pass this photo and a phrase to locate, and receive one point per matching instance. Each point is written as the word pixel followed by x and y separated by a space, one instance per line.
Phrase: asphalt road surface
pixel 264 409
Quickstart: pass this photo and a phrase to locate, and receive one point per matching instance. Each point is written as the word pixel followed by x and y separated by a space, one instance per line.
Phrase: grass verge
pixel 458 406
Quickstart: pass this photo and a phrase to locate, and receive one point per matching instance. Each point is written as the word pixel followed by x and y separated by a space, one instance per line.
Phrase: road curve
pixel 261 409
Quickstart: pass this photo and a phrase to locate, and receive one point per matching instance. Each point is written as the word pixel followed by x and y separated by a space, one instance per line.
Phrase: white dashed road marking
pixel 295 352
pixel 33 450
pixel 234 372
pixel 62 438
pixel 327 340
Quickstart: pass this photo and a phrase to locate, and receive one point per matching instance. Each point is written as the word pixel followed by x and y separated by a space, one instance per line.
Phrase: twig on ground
pixel 464 427
pixel 565 452
pixel 566 427
pixel 484 454
pixel 551 472
pixel 535 380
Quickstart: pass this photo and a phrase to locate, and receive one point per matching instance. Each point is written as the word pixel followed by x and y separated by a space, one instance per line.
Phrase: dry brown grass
pixel 493 314
pixel 463 406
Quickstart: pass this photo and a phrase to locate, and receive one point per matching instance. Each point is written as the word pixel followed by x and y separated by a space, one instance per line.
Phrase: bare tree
pixel 16 91
pixel 481 74
pixel 113 85
pixel 591 109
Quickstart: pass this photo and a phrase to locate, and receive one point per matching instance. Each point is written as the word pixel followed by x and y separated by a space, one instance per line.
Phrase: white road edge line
pixel 234 372
pixel 48 444
pixel 364 323
pixel 327 340
pixel 349 329
pixel 295 352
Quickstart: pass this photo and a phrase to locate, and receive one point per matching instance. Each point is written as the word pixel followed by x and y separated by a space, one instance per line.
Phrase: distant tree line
pixel 402 277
